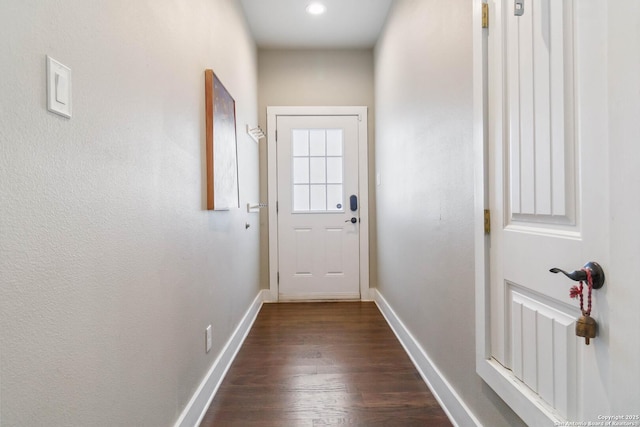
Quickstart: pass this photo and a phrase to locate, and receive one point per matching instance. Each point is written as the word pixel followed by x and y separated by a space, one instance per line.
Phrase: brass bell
pixel 586 327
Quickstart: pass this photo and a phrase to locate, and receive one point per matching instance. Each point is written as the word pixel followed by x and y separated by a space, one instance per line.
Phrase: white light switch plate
pixel 58 88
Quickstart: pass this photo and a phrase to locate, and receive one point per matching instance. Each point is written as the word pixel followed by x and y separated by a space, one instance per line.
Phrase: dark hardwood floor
pixel 317 364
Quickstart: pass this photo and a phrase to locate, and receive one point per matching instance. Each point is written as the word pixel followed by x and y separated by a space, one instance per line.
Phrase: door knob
pixel 597 274
pixel 353 220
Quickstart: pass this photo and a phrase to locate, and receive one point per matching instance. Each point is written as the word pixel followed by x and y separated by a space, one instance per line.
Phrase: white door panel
pixel 543 155
pixel 317 172
pixel 541 144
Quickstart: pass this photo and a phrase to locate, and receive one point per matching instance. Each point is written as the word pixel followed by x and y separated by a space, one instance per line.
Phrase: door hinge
pixel 487 221
pixel 485 15
pixel 276 135
pixel 277 207
pixel 278 279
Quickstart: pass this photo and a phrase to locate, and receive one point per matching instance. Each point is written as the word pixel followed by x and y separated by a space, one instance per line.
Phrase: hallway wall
pixel 110 266
pixel 424 156
pixel 314 77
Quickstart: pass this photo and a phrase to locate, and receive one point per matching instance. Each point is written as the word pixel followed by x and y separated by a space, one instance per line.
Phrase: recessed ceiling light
pixel 316 8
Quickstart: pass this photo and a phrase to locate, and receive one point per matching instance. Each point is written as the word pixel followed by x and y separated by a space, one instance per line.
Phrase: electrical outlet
pixel 208 338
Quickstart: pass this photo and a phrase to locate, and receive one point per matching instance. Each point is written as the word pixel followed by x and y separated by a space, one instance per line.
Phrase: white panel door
pixel 318 227
pixel 546 82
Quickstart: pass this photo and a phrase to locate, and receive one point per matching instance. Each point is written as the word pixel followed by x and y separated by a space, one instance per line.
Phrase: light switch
pixel 58 88
pixel 62 89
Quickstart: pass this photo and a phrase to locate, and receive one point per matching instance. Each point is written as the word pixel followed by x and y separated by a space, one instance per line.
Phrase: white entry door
pixel 546 187
pixel 318 207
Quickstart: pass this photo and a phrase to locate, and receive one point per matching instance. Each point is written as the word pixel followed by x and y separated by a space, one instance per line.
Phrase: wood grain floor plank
pixel 320 364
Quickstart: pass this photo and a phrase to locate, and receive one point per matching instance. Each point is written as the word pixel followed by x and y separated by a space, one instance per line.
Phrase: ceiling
pixel 345 24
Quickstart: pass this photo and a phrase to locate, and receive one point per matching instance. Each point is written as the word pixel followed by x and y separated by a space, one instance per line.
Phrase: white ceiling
pixel 345 24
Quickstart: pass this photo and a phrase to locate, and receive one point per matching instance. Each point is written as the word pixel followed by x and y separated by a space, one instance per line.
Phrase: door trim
pixel 363 187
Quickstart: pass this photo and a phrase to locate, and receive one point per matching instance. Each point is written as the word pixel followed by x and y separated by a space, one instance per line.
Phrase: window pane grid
pixel 317 170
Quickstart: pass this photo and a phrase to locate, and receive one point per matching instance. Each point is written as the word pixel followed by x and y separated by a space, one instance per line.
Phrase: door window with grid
pixel 317 169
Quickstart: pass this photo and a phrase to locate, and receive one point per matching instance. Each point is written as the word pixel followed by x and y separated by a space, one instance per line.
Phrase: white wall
pixel 314 77
pixel 110 267
pixel 424 155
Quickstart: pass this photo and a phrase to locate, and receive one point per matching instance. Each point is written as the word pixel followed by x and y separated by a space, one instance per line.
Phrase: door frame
pixel 484 366
pixel 363 187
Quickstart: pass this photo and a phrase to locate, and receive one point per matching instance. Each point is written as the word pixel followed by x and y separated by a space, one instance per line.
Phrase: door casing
pixel 363 187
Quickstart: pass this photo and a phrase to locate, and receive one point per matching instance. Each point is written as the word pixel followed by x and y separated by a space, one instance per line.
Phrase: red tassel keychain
pixel 586 325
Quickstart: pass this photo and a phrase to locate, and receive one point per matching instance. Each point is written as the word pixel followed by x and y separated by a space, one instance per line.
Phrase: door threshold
pixel 318 298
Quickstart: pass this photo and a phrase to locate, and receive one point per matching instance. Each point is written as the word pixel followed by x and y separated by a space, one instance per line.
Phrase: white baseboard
pixel 197 406
pixel 455 408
